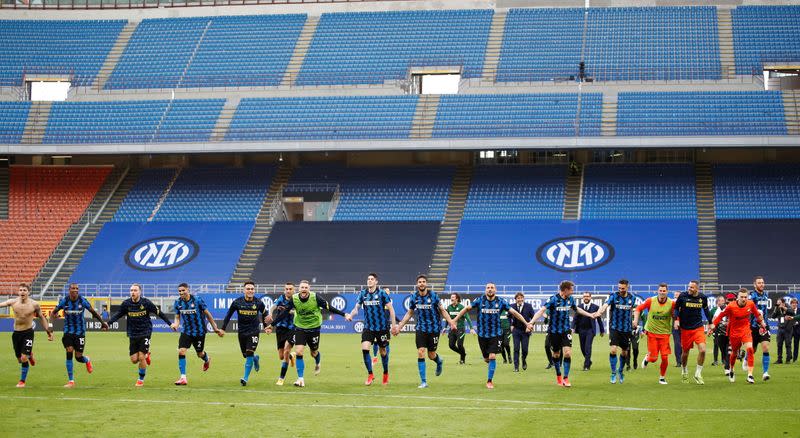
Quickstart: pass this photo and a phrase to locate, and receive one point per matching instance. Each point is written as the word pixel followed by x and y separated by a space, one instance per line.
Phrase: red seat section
pixel 43 202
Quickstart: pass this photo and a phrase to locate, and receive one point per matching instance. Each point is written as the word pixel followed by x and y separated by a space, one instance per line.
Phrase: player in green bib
pixel 307 308
pixel 658 328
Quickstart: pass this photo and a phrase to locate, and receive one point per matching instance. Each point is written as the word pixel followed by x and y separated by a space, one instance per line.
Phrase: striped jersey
pixel 489 315
pixel 288 323
pixel 762 303
pixel 74 323
pixel 192 314
pixel 621 312
pixel 426 312
pixel 558 309
pixel 374 303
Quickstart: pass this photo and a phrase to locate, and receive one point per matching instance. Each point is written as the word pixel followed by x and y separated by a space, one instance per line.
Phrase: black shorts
pixel 139 345
pixel 77 342
pixel 306 337
pixel 758 337
pixel 430 341
pixel 559 341
pixel 620 339
pixel 282 336
pixel 248 342
pixel 455 335
pixel 186 341
pixel 23 342
pixel 380 338
pixel 490 345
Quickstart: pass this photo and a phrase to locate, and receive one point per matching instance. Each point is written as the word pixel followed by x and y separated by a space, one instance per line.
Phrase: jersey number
pixel 255 339
pixel 81 340
pixel 146 341
pixel 29 342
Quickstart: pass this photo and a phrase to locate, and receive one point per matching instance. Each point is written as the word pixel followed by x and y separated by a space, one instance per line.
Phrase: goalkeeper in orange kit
pixel 739 314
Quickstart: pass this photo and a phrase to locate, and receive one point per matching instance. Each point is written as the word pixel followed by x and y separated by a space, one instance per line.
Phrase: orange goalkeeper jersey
pixel 739 318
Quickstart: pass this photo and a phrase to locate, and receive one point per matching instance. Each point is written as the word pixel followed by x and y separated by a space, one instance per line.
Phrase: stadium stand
pixel 344 252
pixel 757 191
pixel 541 44
pixel 518 115
pixel 652 43
pixel 43 203
pixel 764 34
pixel 216 194
pixel 516 192
pixel 373 47
pixel 141 121
pixel 141 201
pixel 765 247
pixel 74 48
pixel 323 118
pixel 639 191
pixel 383 193
pixel 13 117
pixel 701 113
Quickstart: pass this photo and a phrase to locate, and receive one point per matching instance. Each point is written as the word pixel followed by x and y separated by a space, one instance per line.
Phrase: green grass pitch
pixel 336 403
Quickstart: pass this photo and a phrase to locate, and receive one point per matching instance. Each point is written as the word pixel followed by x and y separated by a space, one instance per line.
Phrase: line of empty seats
pixel 765 34
pixel 13 117
pixel 142 199
pixel 323 118
pixel 753 191
pixel 701 113
pixel 639 191
pixel 518 115
pixel 208 52
pixel 140 121
pixel 383 193
pixel 516 192
pixel 43 202
pixel 73 48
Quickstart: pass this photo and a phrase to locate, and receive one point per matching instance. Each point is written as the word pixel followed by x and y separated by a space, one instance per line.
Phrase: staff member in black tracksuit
pixel 795 330
pixel 519 332
pixel 586 328
pixel 783 315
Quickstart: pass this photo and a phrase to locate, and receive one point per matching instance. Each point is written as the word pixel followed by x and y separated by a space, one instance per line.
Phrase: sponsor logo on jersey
pixel 577 253
pixel 161 253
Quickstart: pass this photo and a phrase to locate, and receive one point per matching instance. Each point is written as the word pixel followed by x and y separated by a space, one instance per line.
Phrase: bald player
pixel 25 309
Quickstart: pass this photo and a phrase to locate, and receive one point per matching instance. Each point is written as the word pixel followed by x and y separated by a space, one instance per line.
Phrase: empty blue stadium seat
pixel 141 200
pixel 757 191
pixel 701 113
pixel 13 117
pixel 74 48
pixel 516 192
pixel 518 115
pixel 765 34
pixel 638 191
pixel 323 118
pixel 138 121
pixel 376 194
pixel 372 47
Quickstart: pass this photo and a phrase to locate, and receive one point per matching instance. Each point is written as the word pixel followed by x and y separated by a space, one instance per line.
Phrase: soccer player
pixel 25 309
pixel 760 337
pixel 377 326
pixel 689 309
pixel 620 327
pixel 490 328
pixel 428 311
pixel 559 331
pixel 74 338
pixel 658 328
pixel 189 313
pixel 307 308
pixel 248 307
pixel 636 333
pixel 284 330
pixel 137 310
pixel 739 315
pixel 456 337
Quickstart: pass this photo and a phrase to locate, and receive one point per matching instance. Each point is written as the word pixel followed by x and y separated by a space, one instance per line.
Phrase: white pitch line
pixel 525 404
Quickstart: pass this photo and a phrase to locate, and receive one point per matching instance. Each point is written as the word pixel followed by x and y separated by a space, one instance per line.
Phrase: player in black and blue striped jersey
pixel 620 325
pixel 284 331
pixel 490 330
pixel 559 331
pixel 428 311
pixel 74 339
pixel 378 321
pixel 190 314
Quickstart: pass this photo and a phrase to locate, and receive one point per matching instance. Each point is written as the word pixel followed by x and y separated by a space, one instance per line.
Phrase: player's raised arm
pixel 585 313
pixel 7 303
pixel 354 312
pixel 94 313
pixel 637 312
pixel 325 305
pixel 538 315
pixel 447 318
pixel 45 323
pixel 152 308
pixel 213 323
pixel 519 316
pixel 462 313
pixel 228 316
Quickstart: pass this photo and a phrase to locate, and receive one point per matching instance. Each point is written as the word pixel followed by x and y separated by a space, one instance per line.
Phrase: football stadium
pixel 400 217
